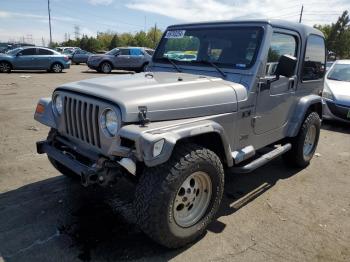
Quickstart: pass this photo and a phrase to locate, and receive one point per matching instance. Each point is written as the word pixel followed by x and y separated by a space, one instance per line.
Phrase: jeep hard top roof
pixel 298 27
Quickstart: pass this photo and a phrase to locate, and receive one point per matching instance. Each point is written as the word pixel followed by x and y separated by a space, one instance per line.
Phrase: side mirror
pixel 286 66
pixel 19 54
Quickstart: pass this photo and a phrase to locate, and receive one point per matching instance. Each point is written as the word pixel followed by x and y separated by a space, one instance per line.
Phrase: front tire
pixel 5 67
pixel 56 68
pixel 305 143
pixel 106 67
pixel 175 202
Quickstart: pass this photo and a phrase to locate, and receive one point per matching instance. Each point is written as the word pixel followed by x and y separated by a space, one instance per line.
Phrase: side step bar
pixel 264 159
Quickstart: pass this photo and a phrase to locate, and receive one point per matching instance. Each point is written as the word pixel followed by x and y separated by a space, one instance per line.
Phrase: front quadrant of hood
pixel 167 96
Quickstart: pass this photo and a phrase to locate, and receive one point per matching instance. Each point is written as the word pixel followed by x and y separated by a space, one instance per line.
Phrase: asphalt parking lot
pixel 272 214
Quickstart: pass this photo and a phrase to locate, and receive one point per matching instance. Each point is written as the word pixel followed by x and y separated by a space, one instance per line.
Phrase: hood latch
pixel 143 116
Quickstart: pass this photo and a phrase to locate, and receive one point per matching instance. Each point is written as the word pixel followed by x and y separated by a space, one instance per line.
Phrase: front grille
pixel 81 120
pixel 339 110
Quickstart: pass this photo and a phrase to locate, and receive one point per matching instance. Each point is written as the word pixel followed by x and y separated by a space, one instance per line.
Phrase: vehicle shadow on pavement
pixel 336 126
pixel 111 73
pixel 241 189
pixel 58 220
pixel 35 72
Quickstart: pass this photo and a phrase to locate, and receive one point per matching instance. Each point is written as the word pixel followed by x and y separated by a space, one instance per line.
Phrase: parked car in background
pixel 4 47
pixel 124 58
pixel 329 65
pixel 33 58
pixel 336 92
pixel 80 56
pixel 61 49
pixel 68 52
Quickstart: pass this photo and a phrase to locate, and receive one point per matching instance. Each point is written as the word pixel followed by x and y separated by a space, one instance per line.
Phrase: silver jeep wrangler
pixel 221 96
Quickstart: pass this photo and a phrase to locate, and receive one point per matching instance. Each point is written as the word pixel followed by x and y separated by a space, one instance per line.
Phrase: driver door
pixel 274 102
pixel 25 59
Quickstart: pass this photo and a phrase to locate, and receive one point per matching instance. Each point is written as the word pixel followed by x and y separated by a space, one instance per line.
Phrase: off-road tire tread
pixel 157 180
pixel 295 156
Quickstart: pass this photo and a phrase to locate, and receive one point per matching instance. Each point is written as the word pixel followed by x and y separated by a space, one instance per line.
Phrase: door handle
pixel 291 84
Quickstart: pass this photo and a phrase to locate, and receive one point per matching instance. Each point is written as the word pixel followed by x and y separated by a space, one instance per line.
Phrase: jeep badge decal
pixel 175 34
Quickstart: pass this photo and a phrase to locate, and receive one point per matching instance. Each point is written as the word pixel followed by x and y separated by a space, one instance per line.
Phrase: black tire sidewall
pixel 101 67
pixel 312 119
pixel 54 66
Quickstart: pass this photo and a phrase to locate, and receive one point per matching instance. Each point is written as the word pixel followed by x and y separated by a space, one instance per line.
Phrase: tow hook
pixel 106 172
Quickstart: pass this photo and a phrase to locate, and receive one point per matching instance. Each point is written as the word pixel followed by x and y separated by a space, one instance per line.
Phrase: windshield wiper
pixel 336 79
pixel 213 65
pixel 171 61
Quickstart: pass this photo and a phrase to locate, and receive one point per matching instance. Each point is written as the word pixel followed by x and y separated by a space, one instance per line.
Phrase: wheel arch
pixel 307 104
pixel 207 133
pixel 105 61
pixel 56 62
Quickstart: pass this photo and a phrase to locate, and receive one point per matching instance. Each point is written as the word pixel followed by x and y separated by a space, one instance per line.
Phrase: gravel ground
pixel 272 214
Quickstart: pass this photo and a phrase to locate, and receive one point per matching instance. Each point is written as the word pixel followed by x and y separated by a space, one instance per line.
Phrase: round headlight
pixel 109 122
pixel 58 104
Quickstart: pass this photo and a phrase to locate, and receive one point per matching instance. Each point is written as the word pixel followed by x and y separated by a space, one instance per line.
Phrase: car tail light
pixel 65 58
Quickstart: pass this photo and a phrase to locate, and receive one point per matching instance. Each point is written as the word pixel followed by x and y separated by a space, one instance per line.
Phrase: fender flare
pixel 172 135
pixel 300 111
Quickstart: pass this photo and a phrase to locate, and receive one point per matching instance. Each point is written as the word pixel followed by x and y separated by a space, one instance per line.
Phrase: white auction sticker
pixel 175 34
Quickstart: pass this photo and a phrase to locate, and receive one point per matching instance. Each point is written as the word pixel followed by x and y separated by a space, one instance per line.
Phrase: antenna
pixel 301 13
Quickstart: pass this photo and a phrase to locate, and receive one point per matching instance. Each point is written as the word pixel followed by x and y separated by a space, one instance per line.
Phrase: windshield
pixel 113 51
pixel 229 47
pixel 13 51
pixel 340 72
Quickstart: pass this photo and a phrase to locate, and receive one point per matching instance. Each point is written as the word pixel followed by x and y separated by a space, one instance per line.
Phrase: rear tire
pixel 175 202
pixel 305 143
pixel 5 67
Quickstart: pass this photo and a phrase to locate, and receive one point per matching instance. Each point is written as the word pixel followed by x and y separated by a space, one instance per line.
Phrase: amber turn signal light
pixel 40 108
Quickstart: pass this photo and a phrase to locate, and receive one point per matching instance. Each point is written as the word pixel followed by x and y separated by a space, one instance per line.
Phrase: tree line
pixel 105 41
pixel 337 36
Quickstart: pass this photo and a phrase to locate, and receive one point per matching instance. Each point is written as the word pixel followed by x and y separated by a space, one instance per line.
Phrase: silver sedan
pixel 336 92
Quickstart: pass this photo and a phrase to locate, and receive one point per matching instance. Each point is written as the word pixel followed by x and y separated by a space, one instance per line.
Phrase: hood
pixel 167 96
pixel 340 90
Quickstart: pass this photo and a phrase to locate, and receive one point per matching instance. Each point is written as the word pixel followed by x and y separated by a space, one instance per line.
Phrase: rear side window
pixel 45 52
pixel 28 51
pixel 124 51
pixel 281 44
pixel 135 52
pixel 315 58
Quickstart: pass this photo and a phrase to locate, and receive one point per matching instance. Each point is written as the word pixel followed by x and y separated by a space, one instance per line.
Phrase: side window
pixel 44 52
pixel 135 52
pixel 29 51
pixel 124 51
pixel 315 58
pixel 281 44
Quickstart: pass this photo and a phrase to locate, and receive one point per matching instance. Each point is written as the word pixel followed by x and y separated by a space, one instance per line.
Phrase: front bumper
pixel 333 111
pixel 44 147
pixel 101 171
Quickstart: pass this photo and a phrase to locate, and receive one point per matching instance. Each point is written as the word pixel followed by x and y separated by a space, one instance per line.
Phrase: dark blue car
pixel 33 58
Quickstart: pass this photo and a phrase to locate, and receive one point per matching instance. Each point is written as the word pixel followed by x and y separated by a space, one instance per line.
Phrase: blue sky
pixel 28 18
